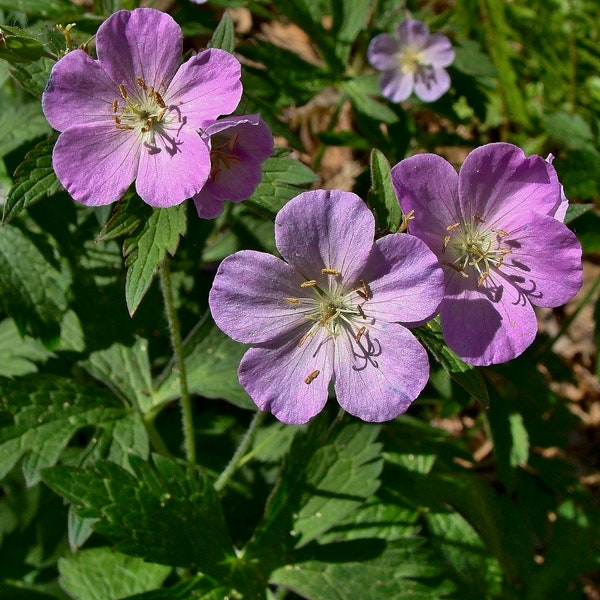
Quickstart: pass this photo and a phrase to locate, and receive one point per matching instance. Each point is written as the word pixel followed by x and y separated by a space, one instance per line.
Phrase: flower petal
pixel 206 86
pixel 487 324
pixel 288 381
pixel 247 298
pixel 174 168
pixel 428 185
pixel 396 86
pixel 413 33
pixel 79 91
pixel 328 229
pixel 497 180
pixel 382 52
pixel 96 163
pixel 238 148
pixel 432 84
pixel 378 379
pixel 545 261
pixel 142 43
pixel 406 281
pixel 438 51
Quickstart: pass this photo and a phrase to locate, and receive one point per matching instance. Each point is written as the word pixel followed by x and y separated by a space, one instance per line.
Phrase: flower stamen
pixel 309 283
pixel 311 377
pixel 330 272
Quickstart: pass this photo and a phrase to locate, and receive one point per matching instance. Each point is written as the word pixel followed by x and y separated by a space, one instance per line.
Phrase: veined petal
pixel 238 150
pixel 382 52
pixel 497 181
pixel 428 185
pixel 413 33
pixel 545 261
pixel 96 163
pixel 377 379
pixel 487 324
pixel 433 85
pixel 79 91
pixel 142 43
pixel 247 299
pixel 289 381
pixel 396 86
pixel 438 51
pixel 406 280
pixel 208 205
pixel 328 229
pixel 206 86
pixel 172 169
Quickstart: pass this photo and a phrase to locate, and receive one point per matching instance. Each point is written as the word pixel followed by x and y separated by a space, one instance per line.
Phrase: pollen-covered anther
pixel 365 291
pixel 115 105
pixel 361 312
pixel 360 333
pixel 294 301
pixel 456 268
pixel 311 377
pixel 478 219
pixel 308 283
pixel 123 91
pixel 405 219
pixel 141 83
pixel 330 272
pixel 453 226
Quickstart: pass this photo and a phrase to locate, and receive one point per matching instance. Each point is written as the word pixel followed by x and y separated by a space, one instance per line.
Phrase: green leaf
pixel 360 97
pixel 382 198
pixel 576 210
pixel 33 76
pixel 163 513
pixel 212 360
pixel 283 178
pixel 126 217
pixel 32 291
pixel 126 371
pixel 42 8
pixel 34 181
pixel 21 124
pixel 324 478
pixel 40 415
pixel 146 248
pixel 19 355
pixel 224 35
pixel 17 45
pixel 367 569
pixel 466 375
pixel 479 574
pixel 349 17
pixel 101 573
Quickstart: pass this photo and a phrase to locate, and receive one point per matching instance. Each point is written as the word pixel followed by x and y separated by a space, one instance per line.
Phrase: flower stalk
pixel 187 418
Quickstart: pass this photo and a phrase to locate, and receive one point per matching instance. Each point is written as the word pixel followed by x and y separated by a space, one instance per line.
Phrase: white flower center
pixel 410 61
pixel 333 308
pixel 474 249
pixel 142 110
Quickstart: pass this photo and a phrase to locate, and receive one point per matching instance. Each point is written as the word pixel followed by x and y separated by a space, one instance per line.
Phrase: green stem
pixel 187 418
pixel 236 459
pixel 155 438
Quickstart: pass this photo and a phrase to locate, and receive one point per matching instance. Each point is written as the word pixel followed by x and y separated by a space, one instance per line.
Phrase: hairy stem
pixel 187 418
pixel 236 459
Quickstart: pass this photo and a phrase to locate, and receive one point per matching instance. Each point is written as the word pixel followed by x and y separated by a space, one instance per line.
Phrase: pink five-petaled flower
pixel 134 114
pixel 494 229
pixel 331 310
pixel 414 60
pixel 238 147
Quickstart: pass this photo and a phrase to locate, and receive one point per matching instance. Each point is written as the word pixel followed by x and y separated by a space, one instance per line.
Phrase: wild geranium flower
pixel 414 60
pixel 336 308
pixel 238 147
pixel 495 231
pixel 134 114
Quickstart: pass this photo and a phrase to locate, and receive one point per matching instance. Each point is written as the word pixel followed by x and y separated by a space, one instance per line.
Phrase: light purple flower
pixel 494 229
pixel 414 60
pixel 238 147
pixel 134 114
pixel 330 311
